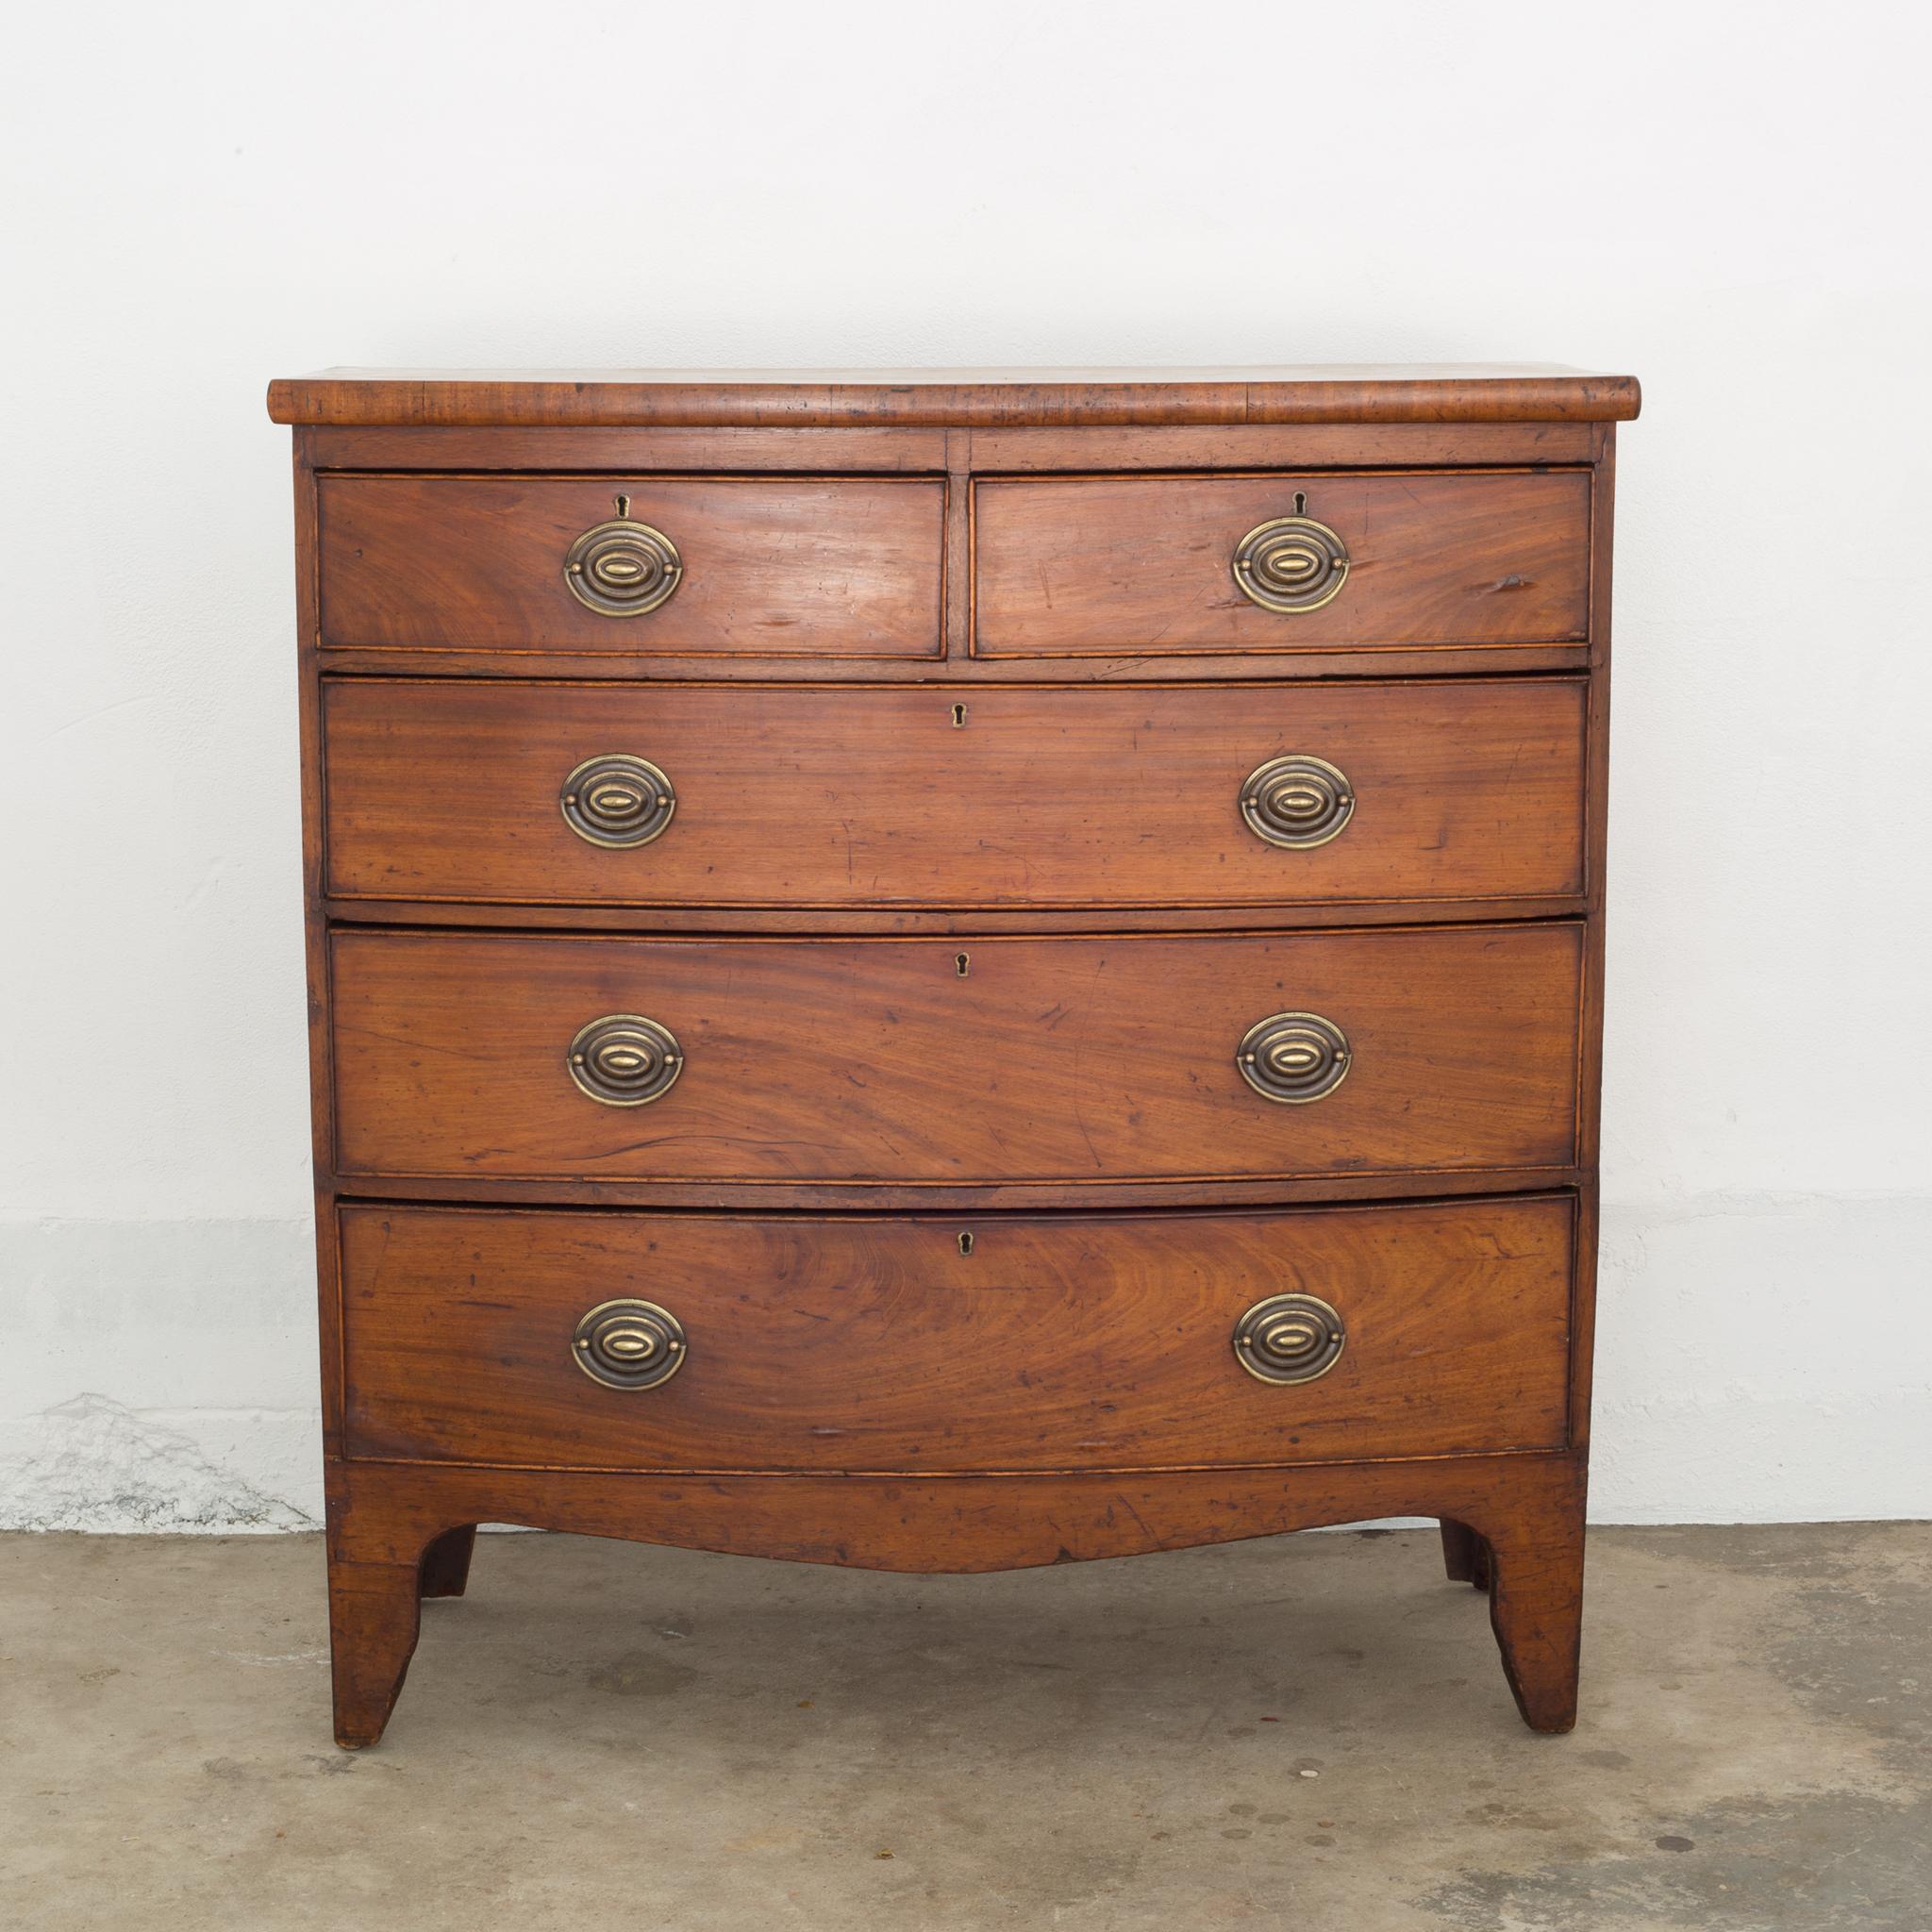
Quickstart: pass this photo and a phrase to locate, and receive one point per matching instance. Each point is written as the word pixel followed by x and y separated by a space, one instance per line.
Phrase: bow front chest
pixel 954 972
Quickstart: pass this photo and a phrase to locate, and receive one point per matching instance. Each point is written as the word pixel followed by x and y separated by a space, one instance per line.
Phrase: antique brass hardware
pixel 625 1059
pixel 965 1244
pixel 1288 1337
pixel 623 569
pixel 629 1344
pixel 1291 563
pixel 959 717
pixel 1297 801
pixel 1294 1058
pixel 962 963
pixel 617 800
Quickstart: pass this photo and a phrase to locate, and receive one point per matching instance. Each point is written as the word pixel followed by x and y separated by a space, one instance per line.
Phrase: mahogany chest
pixel 954 972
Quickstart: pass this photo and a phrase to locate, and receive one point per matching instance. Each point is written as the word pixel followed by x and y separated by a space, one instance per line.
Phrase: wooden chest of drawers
pixel 954 972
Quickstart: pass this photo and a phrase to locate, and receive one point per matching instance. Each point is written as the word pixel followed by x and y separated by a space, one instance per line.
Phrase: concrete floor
pixel 1312 1732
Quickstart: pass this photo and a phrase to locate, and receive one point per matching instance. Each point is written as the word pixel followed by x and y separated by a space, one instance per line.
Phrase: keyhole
pixel 962 963
pixel 623 506
pixel 959 717
pixel 965 1244
pixel 1301 502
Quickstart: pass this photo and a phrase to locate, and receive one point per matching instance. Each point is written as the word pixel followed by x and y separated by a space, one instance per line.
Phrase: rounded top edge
pixel 384 398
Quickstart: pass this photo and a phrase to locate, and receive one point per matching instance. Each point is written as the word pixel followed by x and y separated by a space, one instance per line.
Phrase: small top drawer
pixel 1147 566
pixel 688 566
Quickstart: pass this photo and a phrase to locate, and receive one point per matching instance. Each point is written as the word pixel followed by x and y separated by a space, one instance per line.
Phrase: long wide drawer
pixel 1011 1343
pixel 686 566
pixel 1004 1060
pixel 1158 565
pixel 775 795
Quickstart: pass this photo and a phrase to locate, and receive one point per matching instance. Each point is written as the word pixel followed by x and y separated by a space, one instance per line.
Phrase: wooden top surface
pixel 985 398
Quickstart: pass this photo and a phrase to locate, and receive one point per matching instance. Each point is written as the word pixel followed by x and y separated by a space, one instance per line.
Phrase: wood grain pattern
pixel 880 1345
pixel 874 449
pixel 1251 446
pixel 1064 797
pixel 316 958
pixel 888 448
pixel 1527 1510
pixel 844 567
pixel 1074 1096
pixel 1062 1058
pixel 1142 564
pixel 1589 1138
pixel 374 1615
pixel 778 398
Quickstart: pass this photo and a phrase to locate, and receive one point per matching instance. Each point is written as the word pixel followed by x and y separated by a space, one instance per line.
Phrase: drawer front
pixel 765 567
pixel 870 1343
pixel 1068 1060
pixel 1146 566
pixel 1064 797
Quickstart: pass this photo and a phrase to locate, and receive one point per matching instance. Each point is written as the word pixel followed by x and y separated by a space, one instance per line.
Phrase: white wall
pixel 1726 201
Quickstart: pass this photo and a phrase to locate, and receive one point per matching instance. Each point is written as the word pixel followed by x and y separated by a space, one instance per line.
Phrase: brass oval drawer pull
pixel 629 1344
pixel 1290 564
pixel 625 1059
pixel 617 800
pixel 623 569
pixel 1297 801
pixel 1288 1337
pixel 1294 1058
